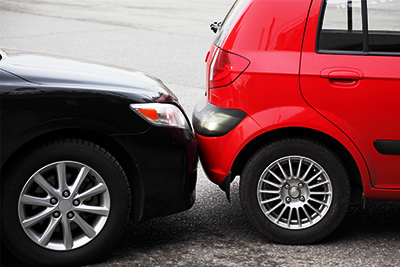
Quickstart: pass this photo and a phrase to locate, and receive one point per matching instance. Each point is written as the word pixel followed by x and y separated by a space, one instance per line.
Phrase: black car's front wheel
pixel 295 191
pixel 64 203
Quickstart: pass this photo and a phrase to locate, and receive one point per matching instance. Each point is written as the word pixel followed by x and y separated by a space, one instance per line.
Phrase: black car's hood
pixel 63 72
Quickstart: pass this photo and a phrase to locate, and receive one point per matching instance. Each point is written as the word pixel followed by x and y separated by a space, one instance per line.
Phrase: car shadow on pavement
pixel 379 220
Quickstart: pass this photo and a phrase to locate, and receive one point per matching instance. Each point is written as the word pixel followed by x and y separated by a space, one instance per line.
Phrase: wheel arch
pixel 111 145
pixel 298 132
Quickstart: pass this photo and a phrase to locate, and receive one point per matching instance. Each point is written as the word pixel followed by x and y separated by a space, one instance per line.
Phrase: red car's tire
pixel 295 191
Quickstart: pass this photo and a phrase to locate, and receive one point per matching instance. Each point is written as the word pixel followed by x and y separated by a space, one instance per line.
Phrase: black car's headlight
pixel 213 121
pixel 161 114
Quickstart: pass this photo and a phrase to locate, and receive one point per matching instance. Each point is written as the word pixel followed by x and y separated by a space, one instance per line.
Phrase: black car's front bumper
pixel 165 162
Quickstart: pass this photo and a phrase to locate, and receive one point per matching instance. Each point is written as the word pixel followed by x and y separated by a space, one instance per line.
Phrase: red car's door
pixel 350 74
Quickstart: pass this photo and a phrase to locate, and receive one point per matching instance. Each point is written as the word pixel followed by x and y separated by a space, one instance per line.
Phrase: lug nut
pixel 302 198
pixel 287 186
pixel 56 214
pixel 288 199
pixel 70 215
pixel 76 202
pixel 301 185
pixel 66 193
pixel 53 201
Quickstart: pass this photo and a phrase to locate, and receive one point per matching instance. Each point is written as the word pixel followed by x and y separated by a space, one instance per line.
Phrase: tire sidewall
pixel 73 150
pixel 326 159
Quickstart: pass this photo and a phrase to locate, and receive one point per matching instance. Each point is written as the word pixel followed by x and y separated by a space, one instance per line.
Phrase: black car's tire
pixel 295 205
pixel 64 202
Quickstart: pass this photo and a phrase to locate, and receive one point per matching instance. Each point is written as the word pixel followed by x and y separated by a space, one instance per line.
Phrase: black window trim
pixel 350 15
pixel 364 15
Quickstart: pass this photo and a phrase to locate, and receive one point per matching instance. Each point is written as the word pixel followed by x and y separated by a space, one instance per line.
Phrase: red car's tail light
pixel 225 68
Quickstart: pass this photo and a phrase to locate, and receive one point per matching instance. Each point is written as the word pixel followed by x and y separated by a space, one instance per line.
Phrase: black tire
pixel 306 205
pixel 89 216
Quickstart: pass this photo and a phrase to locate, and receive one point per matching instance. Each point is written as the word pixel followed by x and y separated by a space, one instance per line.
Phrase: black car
pixel 85 147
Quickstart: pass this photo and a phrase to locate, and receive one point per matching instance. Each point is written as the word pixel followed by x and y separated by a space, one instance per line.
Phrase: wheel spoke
pixel 320 193
pixel 319 184
pixel 275 207
pixel 280 214
pixel 298 217
pixel 269 191
pixel 272 183
pixel 314 209
pixel 318 201
pixel 37 218
pixel 38 178
pixel 270 200
pixel 283 171
pixel 290 168
pixel 313 178
pixel 103 211
pixel 86 228
pixel 276 176
pixel 79 179
pixel 98 189
pixel 289 217
pixel 299 168
pixel 35 201
pixel 308 215
pixel 307 171
pixel 46 236
pixel 67 234
pixel 61 176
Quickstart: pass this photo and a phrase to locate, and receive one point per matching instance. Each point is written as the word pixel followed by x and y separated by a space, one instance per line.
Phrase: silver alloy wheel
pixel 64 205
pixel 294 192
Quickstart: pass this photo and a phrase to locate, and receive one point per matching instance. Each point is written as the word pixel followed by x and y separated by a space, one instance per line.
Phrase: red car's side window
pixel 341 27
pixel 359 27
pixel 384 26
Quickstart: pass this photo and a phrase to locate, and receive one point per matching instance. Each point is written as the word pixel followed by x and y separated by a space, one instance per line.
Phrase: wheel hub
pixel 65 205
pixel 294 192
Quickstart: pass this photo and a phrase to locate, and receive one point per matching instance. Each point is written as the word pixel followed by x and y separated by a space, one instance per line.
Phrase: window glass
pixel 384 25
pixel 341 26
pixel 337 14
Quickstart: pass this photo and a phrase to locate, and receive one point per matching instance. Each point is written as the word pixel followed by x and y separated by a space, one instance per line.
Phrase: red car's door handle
pixel 342 74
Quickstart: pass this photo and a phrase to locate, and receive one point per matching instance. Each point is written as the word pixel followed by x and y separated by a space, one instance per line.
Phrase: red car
pixel 303 104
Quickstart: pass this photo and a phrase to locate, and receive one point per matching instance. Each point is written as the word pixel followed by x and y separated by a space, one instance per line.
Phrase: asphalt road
pixel 170 39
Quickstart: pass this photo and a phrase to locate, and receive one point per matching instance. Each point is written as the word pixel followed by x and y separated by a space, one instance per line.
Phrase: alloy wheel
pixel 294 192
pixel 64 205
